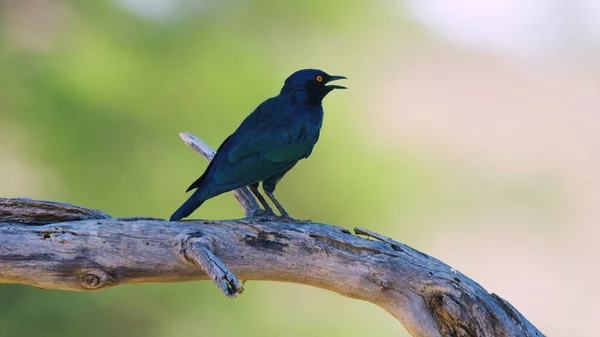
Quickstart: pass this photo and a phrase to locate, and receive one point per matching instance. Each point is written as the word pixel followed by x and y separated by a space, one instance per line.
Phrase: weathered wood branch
pixel 59 246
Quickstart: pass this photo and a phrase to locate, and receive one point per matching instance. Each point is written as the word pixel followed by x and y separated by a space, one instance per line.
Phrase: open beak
pixel 335 78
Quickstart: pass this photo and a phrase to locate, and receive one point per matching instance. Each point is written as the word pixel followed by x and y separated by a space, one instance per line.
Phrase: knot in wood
pixel 452 317
pixel 95 279
pixel 384 284
pixel 188 240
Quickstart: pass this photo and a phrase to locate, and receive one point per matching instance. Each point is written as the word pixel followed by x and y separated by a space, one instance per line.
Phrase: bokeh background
pixel 470 132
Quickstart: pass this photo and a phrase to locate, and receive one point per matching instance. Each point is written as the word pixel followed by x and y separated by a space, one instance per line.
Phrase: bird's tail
pixel 189 206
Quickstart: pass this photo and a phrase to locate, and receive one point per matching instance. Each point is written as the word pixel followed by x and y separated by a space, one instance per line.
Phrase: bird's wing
pixel 250 164
pixel 270 148
pixel 199 181
pixel 263 147
pixel 220 159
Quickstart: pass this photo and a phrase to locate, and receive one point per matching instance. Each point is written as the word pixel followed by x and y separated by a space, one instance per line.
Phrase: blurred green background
pixel 462 133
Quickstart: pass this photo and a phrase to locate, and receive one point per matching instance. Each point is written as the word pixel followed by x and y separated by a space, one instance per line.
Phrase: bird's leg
pixel 280 208
pixel 267 209
pixel 269 187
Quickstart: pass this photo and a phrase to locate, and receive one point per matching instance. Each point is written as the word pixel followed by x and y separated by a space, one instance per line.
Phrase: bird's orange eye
pixel 319 78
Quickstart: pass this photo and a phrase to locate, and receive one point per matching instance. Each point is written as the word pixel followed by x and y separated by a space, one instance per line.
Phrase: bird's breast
pixel 306 126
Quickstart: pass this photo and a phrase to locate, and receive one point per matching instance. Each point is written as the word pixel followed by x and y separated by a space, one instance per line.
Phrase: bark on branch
pixel 60 246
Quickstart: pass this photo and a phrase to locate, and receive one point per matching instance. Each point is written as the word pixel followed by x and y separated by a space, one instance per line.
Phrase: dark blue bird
pixel 268 143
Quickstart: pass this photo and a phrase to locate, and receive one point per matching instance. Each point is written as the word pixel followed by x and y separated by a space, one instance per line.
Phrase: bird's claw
pixel 266 215
pixel 262 213
pixel 289 219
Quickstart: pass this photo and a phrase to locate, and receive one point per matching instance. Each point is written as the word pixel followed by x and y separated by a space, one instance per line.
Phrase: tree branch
pixel 59 246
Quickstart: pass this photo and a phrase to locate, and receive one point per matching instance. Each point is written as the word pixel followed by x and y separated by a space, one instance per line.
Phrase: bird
pixel 268 143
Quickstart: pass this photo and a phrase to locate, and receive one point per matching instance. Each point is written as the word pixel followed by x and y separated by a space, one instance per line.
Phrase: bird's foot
pixel 289 219
pixel 264 214
pixel 136 218
pixel 285 216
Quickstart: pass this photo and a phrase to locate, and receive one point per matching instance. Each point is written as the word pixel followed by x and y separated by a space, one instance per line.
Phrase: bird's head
pixel 309 85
